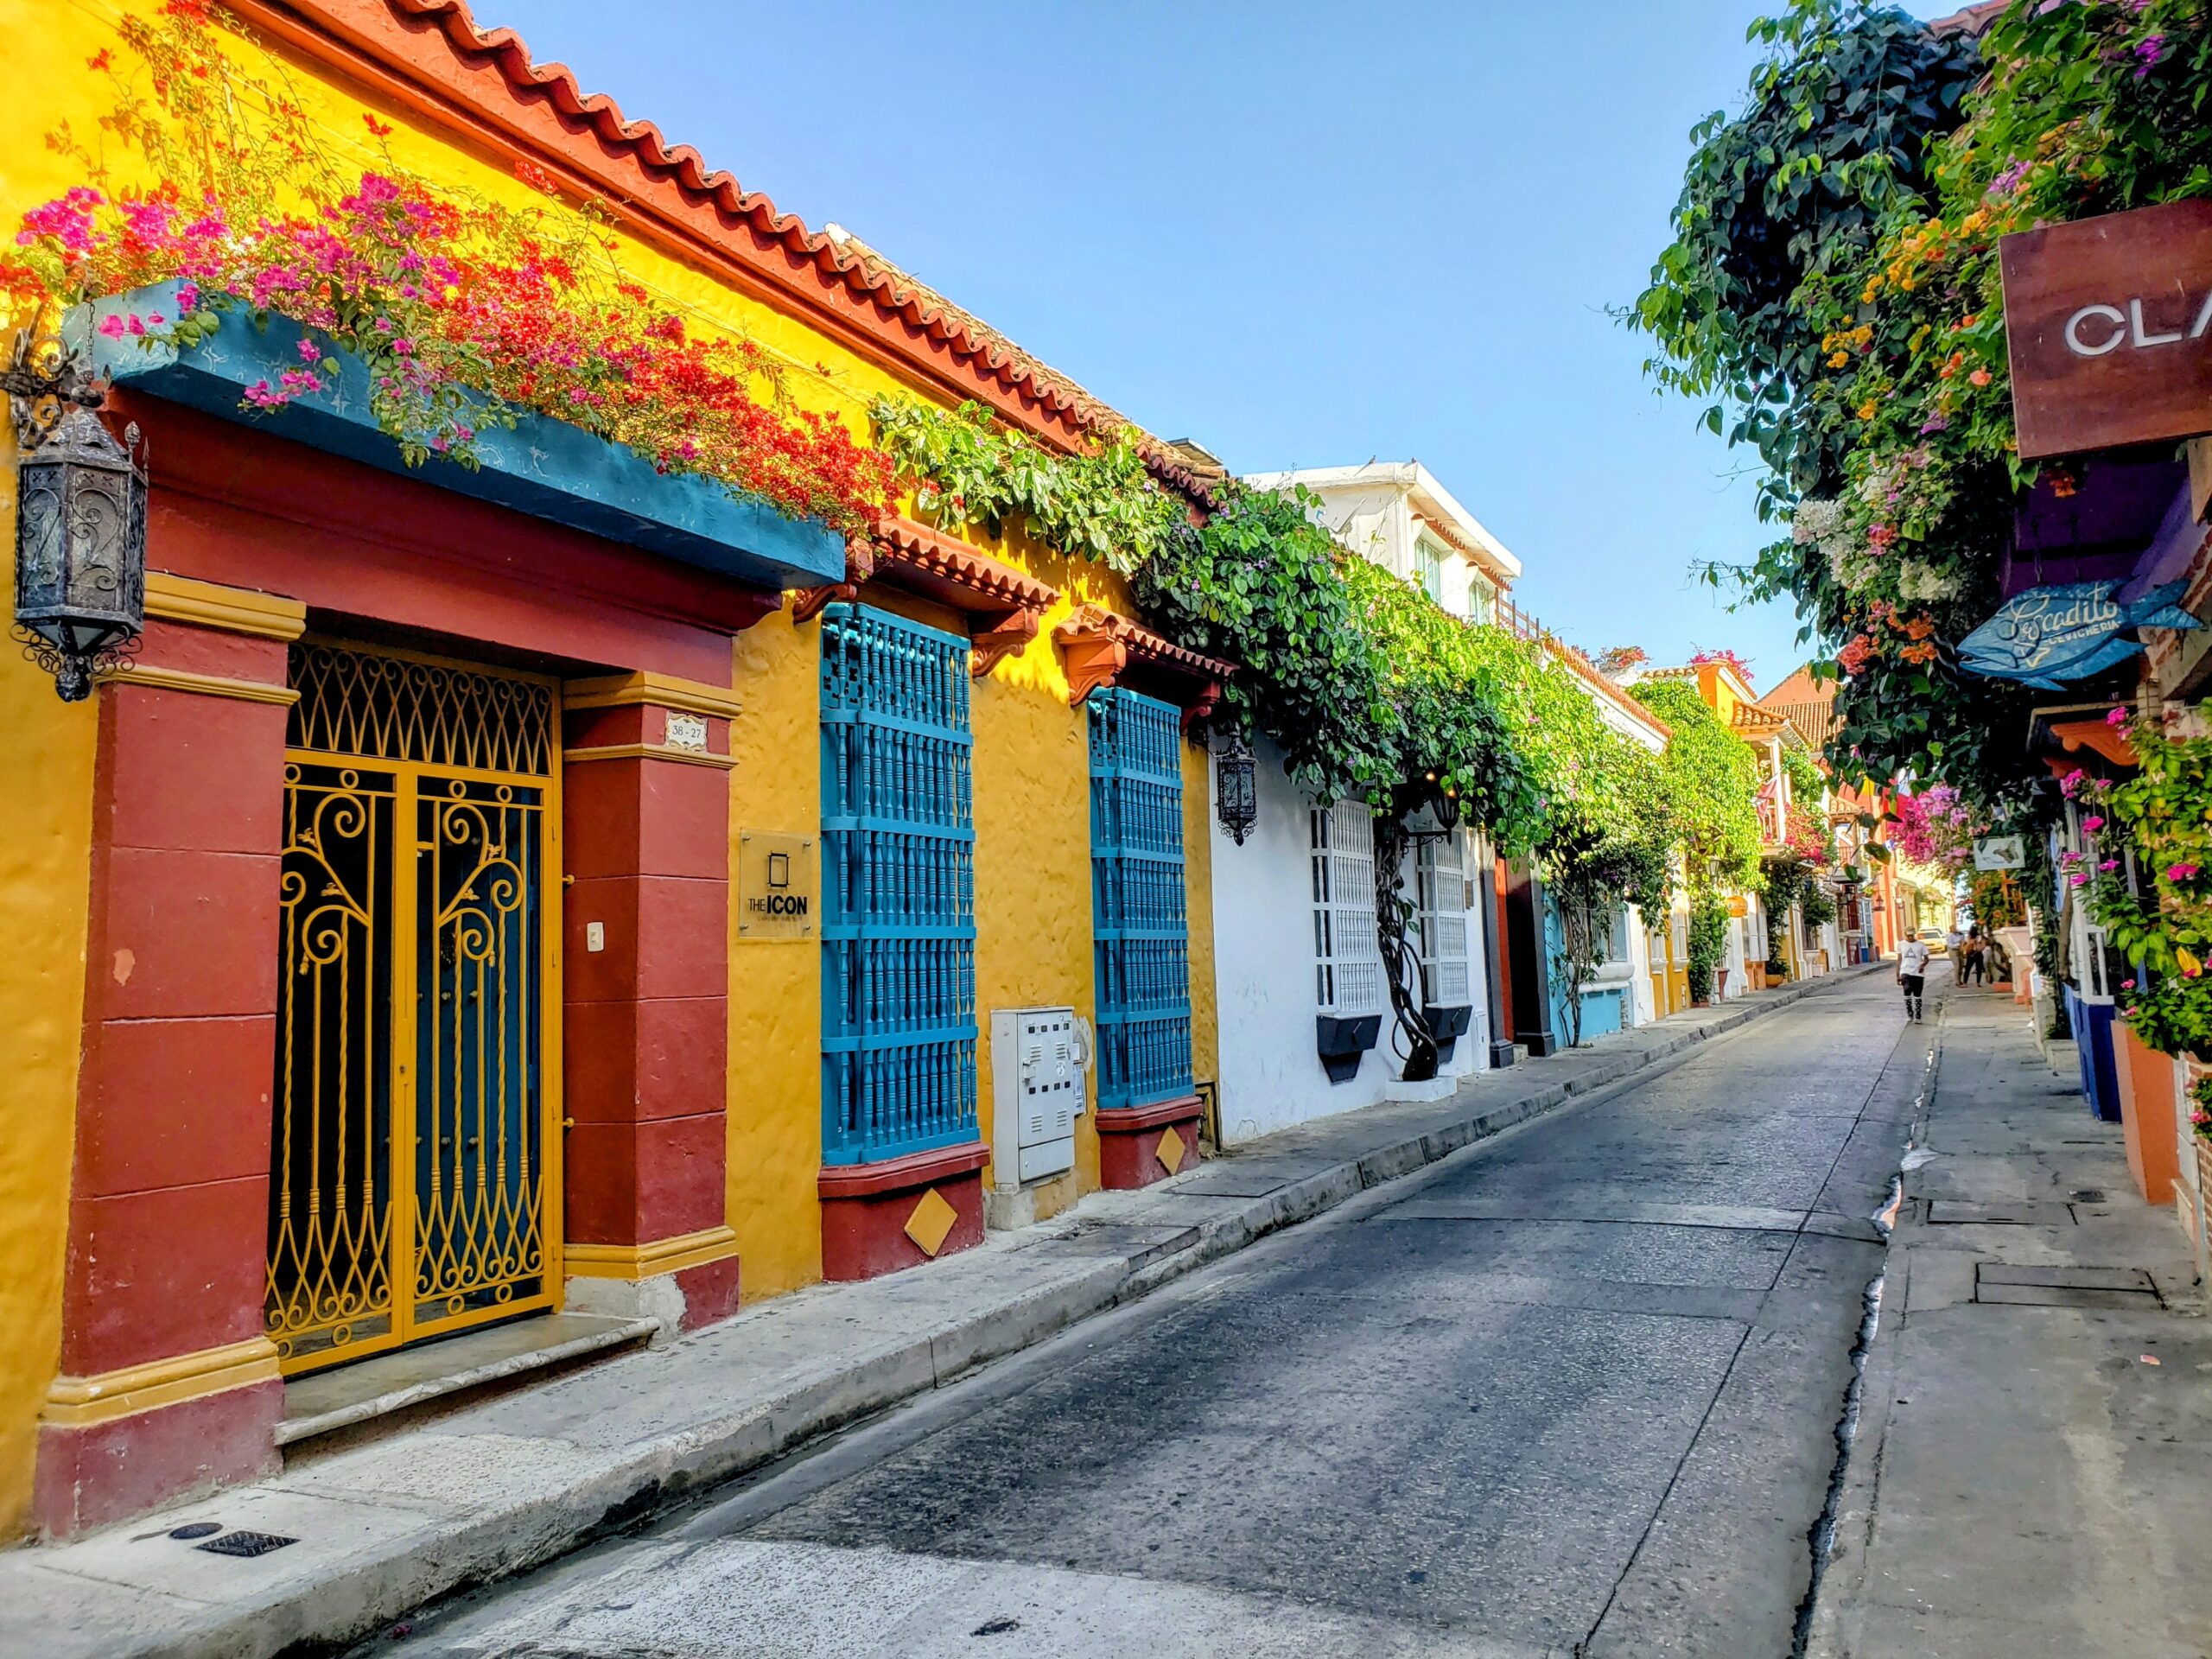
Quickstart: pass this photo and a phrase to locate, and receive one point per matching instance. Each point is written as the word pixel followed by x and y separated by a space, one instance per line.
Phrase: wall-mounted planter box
pixel 1342 1042
pixel 543 468
pixel 1448 1026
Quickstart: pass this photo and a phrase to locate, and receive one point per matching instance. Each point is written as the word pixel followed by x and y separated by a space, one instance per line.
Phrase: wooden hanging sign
pixel 2108 327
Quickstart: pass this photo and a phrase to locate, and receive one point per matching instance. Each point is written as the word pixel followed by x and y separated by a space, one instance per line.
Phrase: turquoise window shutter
pixel 898 889
pixel 1141 949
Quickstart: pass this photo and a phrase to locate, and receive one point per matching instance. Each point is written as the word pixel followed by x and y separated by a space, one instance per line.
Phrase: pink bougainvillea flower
pixel 2092 824
pixel 2117 717
pixel 2181 871
pixel 112 326
pixel 2080 878
pixel 2109 865
pixel 2071 782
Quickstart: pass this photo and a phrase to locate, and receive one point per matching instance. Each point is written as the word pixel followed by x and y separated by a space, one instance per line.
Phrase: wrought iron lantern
pixel 1237 786
pixel 80 523
pixel 1437 813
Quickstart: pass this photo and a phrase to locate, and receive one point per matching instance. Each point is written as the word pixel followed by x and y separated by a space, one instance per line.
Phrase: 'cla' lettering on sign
pixel 2108 328
pixel 2095 330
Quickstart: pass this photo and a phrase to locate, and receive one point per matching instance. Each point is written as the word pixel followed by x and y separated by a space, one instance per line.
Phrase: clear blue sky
pixel 1303 233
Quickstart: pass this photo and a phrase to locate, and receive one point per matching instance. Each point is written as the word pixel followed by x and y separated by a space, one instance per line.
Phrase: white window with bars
pixel 1347 954
pixel 2097 967
pixel 1441 884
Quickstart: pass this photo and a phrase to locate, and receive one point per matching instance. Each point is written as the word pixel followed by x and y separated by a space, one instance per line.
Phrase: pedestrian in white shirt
pixel 1912 974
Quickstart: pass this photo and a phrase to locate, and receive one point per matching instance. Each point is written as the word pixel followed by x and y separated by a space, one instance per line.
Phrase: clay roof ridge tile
pixel 889 286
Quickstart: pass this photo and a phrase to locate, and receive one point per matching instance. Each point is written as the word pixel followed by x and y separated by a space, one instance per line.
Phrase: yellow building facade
pixel 564 794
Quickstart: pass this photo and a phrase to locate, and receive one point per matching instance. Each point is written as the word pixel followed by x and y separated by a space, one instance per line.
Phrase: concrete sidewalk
pixel 487 1489
pixel 2031 1477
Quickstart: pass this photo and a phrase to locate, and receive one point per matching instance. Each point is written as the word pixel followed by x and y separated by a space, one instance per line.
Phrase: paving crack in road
pixel 1821 1537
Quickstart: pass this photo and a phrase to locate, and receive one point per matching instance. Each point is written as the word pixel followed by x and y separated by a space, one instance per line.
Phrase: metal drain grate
pixel 2113 1289
pixel 247 1543
pixel 2022 1212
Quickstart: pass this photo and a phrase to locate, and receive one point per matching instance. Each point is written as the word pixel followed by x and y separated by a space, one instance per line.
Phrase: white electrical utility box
pixel 1039 1057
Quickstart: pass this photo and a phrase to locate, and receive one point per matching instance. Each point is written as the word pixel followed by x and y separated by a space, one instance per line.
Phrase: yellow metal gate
pixel 416 1183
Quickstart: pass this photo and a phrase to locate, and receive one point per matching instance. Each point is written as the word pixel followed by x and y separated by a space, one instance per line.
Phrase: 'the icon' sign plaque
pixel 2108 327
pixel 777 878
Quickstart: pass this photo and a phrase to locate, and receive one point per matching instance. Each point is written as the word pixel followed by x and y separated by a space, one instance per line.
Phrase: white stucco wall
pixel 1642 1005
pixel 1271 1076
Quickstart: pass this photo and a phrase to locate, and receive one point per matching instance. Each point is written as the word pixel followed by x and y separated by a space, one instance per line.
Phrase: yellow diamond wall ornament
pixel 1171 1149
pixel 931 1222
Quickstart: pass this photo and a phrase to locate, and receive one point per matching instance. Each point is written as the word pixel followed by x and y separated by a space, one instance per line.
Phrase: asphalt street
pixel 1574 1391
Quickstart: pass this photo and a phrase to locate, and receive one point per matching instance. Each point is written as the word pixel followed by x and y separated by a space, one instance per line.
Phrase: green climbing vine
pixel 1831 295
pixel 1367 685
pixel 969 470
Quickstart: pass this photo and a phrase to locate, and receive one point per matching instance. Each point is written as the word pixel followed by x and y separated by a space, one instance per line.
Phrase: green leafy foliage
pixel 2159 915
pixel 1369 687
pixel 969 470
pixel 1598 858
pixel 1785 879
pixel 1833 288
pixel 1817 904
pixel 1262 584
pixel 1708 939
pixel 1806 782
pixel 1713 780
pixel 1792 192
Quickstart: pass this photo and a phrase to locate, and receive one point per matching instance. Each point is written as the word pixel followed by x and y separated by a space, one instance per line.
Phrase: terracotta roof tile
pixel 1145 647
pixel 930 553
pixel 597 111
pixel 586 139
pixel 862 277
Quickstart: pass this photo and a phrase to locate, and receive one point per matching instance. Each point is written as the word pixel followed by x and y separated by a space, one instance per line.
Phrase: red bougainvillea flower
pixel 466 313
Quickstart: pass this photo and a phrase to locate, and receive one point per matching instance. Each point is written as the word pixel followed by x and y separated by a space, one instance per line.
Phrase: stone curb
pixel 1830 1632
pixel 438 1562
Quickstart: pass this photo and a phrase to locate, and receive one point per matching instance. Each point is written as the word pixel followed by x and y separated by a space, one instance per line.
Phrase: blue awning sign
pixel 2071 631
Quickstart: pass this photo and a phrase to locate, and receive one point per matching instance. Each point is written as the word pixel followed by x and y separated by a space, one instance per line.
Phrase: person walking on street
pixel 1912 974
pixel 1977 953
pixel 1955 943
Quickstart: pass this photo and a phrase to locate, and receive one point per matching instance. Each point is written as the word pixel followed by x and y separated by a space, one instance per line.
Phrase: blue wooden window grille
pixel 898 889
pixel 1142 947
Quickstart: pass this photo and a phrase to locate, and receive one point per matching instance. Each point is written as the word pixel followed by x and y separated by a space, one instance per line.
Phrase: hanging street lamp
pixel 80 521
pixel 1237 786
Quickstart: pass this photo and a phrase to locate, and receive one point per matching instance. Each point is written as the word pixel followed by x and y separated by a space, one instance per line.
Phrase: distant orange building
pixel 1874 915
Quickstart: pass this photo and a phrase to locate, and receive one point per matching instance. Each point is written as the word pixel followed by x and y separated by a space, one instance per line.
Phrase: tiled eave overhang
pixel 1102 649
pixel 1004 607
